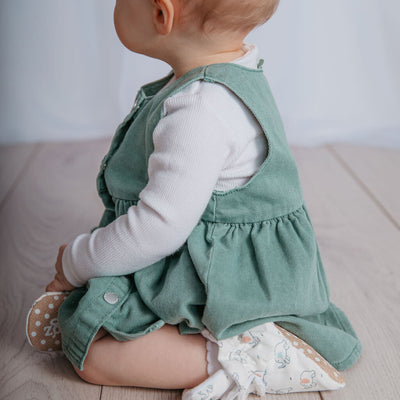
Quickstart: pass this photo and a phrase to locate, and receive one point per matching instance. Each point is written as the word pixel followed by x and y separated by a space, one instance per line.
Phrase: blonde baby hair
pixel 240 16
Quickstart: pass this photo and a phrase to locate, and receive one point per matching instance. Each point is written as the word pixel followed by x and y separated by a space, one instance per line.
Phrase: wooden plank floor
pixel 48 196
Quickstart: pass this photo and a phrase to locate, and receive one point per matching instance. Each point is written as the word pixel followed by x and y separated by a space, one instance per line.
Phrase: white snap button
pixel 111 298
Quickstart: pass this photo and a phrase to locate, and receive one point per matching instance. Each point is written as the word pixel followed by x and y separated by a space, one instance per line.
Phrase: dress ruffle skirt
pixel 227 278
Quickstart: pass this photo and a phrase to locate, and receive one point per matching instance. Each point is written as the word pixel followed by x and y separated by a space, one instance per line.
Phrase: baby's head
pixel 186 33
pixel 219 16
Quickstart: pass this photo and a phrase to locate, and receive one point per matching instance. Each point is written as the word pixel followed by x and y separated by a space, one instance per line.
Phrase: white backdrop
pixel 332 65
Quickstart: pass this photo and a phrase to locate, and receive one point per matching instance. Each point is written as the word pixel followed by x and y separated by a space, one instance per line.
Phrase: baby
pixel 204 272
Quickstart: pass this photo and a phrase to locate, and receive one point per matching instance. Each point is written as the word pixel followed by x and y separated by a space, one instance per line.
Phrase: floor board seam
pixel 18 178
pixel 363 186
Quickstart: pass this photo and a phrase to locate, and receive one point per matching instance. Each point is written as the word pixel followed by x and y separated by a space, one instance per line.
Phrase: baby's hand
pixel 60 283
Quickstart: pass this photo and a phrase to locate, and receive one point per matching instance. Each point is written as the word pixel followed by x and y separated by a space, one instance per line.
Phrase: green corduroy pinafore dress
pixel 252 258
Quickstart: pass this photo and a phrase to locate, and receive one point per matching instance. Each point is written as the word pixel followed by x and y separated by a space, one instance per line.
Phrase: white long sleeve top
pixel 207 140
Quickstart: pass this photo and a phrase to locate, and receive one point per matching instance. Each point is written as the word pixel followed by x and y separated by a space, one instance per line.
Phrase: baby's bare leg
pixel 162 359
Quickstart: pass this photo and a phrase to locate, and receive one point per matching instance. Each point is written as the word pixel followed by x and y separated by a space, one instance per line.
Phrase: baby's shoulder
pixel 210 91
pixel 212 98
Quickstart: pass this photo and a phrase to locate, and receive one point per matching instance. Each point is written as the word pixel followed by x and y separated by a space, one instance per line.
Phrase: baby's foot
pixel 332 378
pixel 42 329
pixel 265 359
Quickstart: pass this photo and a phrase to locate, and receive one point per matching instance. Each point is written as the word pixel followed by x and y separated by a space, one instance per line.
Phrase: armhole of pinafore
pixel 267 157
pixel 176 87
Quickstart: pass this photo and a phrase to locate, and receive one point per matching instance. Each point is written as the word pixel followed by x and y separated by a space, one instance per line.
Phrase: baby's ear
pixel 163 16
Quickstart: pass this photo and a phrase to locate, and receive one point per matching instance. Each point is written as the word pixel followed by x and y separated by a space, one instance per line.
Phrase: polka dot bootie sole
pixel 42 329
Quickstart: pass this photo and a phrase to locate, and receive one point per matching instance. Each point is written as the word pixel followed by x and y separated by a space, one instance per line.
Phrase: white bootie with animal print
pixel 265 359
pixel 42 330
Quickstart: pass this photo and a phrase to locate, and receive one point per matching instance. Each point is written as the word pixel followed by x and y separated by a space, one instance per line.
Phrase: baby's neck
pixel 187 56
pixel 183 65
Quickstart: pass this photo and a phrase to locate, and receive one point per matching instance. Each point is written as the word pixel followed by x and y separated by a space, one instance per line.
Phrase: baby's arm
pixel 183 170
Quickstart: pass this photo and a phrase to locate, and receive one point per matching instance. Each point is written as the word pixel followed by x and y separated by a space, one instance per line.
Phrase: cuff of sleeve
pixel 69 267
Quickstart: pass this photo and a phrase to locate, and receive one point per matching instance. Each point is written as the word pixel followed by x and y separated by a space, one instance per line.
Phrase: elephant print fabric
pixel 281 356
pixel 265 359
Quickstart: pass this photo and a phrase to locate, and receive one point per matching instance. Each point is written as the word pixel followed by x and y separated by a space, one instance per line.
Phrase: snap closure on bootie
pixel 42 329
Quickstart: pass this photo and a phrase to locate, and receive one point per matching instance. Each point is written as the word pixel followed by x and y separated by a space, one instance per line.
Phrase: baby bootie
pixel 42 329
pixel 265 359
pixel 213 388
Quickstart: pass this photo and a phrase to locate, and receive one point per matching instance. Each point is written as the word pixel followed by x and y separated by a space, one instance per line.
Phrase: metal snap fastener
pixel 111 297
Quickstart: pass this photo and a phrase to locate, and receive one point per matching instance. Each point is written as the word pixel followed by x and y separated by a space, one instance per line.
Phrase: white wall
pixel 333 67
